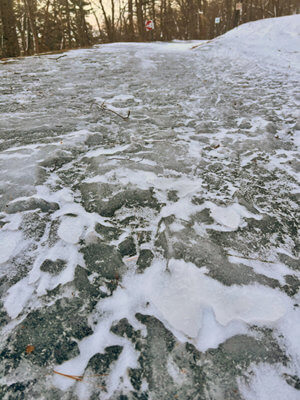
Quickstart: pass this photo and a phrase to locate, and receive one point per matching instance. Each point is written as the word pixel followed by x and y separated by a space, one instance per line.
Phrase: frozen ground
pixel 155 257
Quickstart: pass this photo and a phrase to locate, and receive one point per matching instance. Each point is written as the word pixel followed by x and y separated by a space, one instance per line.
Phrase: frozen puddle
pixel 154 257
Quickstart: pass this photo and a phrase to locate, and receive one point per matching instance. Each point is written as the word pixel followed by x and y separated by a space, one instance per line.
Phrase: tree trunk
pixel 112 20
pixel 83 26
pixel 140 19
pixel 10 46
pixel 96 18
pixel 31 18
pixel 107 22
pixel 45 27
pixel 153 15
pixel 69 33
pixel 130 19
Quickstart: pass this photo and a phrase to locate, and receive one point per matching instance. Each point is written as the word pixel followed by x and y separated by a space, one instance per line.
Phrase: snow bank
pixel 271 42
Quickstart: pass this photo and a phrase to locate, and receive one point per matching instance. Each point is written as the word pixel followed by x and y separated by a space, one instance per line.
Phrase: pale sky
pixel 97 9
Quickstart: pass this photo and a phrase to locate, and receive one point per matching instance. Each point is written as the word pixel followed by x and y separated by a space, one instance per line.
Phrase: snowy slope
pixel 153 257
pixel 269 42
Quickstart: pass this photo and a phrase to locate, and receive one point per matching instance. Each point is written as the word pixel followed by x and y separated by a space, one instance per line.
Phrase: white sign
pixel 217 20
pixel 149 25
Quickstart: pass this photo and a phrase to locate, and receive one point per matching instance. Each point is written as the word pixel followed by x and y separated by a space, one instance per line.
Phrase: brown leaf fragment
pixel 29 349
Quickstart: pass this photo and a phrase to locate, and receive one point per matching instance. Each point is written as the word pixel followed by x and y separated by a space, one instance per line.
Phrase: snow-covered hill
pixel 155 256
pixel 269 42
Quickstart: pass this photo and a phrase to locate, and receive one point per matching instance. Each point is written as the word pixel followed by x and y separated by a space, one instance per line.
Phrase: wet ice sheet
pixel 162 246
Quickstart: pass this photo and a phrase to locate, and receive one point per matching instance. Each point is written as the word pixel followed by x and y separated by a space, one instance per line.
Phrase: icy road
pixel 152 257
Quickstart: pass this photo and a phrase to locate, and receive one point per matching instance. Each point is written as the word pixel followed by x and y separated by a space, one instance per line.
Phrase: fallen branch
pixel 201 44
pixel 103 107
pixel 64 55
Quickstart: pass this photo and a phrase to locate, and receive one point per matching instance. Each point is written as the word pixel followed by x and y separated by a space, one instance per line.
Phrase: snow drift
pixel 270 42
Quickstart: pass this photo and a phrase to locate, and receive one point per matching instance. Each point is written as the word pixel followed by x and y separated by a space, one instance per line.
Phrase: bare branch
pixel 103 107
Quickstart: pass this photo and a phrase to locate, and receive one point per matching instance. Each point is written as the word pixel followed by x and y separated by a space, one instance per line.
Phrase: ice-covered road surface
pixel 154 257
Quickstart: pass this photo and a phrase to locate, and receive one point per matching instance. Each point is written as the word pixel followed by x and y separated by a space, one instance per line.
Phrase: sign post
pixel 217 25
pixel 149 25
pixel 239 11
pixel 239 7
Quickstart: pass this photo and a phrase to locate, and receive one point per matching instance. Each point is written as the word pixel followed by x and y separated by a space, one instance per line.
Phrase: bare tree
pixel 30 7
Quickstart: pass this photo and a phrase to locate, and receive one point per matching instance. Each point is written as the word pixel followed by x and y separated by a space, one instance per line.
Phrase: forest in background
pixel 35 26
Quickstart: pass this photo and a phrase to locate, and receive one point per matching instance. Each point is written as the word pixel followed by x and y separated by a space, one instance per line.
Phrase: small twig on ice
pixel 200 44
pixel 64 55
pixel 132 258
pixel 75 377
pixel 103 107
pixel 79 378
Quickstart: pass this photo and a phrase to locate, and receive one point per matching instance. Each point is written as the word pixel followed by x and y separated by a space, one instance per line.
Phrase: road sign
pixel 149 25
pixel 217 20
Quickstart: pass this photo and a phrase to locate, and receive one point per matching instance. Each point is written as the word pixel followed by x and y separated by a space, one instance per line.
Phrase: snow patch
pixel 267 382
pixel 8 243
pixel 111 150
pixel 231 216
pixel 192 305
pixel 70 229
pixel 182 297
pixel 17 297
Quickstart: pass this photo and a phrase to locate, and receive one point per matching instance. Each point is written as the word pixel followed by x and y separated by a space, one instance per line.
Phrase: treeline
pixel 34 26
